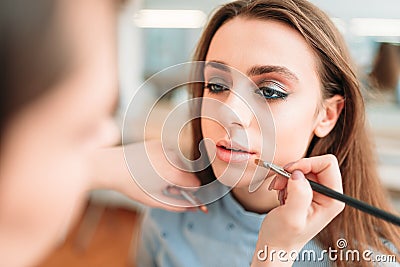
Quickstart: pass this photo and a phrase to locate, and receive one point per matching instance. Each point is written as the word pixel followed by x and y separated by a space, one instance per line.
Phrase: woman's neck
pixel 260 201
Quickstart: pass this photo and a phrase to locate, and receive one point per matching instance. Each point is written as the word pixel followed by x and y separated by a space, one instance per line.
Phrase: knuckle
pixel 332 158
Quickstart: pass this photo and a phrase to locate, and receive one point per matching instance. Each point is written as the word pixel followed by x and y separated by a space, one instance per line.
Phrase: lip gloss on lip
pixel 232 156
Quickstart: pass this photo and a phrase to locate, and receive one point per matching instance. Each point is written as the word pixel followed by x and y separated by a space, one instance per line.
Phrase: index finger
pixel 325 168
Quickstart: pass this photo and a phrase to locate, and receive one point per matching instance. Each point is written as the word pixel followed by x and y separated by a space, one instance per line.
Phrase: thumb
pixel 299 196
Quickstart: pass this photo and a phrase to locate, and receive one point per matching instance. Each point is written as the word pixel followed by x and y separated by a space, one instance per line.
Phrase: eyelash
pixel 267 92
pixel 213 90
pixel 274 90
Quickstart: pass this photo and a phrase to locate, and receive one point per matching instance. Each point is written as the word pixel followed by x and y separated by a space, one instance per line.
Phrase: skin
pixel 301 109
pixel 46 146
pixel 49 159
pixel 298 113
pixel 50 156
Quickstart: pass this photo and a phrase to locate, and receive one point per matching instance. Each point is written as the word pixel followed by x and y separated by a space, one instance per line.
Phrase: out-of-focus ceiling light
pixel 160 18
pixel 375 27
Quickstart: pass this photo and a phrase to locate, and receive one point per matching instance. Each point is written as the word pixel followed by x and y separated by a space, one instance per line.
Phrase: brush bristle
pixel 261 163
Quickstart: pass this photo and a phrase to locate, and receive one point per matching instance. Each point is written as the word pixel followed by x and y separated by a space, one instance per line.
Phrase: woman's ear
pixel 328 116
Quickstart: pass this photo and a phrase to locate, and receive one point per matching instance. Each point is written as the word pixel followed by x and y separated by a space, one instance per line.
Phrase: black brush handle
pixel 358 204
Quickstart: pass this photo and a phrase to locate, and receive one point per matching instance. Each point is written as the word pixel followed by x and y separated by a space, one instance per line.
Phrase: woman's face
pixel 274 120
pixel 44 153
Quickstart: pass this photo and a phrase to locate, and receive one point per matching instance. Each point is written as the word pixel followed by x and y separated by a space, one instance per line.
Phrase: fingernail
pixel 272 184
pixel 288 165
pixel 297 175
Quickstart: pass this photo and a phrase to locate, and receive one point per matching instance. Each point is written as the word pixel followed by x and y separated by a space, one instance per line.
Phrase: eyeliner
pixel 353 202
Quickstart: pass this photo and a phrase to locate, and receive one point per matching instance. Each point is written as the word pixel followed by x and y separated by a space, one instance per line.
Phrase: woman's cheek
pixel 291 140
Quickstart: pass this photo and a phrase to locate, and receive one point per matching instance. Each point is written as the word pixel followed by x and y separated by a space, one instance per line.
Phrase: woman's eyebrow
pixel 259 70
pixel 217 65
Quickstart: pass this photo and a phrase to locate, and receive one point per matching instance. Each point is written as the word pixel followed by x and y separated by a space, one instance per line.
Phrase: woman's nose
pixel 237 111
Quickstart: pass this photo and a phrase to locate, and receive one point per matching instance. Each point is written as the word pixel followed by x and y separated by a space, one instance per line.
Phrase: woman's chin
pixel 239 179
pixel 251 179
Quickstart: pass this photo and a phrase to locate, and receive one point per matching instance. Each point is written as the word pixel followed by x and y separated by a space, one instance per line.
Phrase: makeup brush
pixel 355 203
pixel 193 200
pixel 176 192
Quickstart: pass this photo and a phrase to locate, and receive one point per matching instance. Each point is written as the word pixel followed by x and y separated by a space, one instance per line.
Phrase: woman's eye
pixel 272 91
pixel 216 87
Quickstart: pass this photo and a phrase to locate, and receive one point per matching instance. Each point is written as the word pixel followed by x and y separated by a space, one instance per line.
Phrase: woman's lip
pixel 233 145
pixel 232 156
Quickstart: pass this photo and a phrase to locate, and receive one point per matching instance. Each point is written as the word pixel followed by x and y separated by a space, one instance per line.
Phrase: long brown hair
pixel 348 141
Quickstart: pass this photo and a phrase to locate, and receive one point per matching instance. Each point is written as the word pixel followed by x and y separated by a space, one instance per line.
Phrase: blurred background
pixel 155 34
